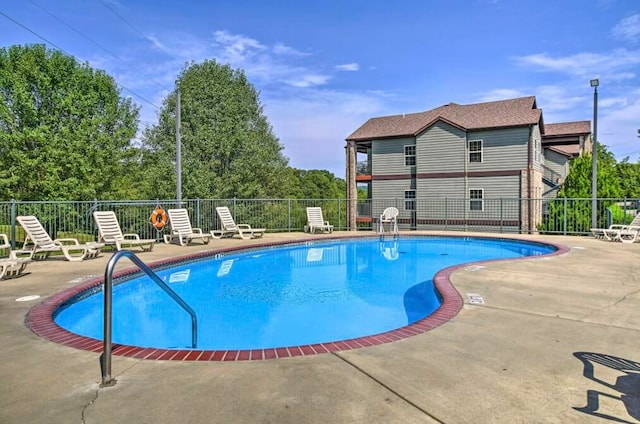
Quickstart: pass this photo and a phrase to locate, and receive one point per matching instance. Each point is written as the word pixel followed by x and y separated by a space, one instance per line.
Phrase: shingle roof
pixel 570 150
pixel 503 113
pixel 567 128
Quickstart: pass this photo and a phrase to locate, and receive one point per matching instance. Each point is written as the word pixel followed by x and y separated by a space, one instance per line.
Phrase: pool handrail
pixel 105 360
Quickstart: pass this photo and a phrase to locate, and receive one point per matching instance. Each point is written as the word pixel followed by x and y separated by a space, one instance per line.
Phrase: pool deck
pixel 557 340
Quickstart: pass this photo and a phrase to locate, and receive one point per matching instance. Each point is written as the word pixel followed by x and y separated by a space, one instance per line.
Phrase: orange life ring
pixel 159 218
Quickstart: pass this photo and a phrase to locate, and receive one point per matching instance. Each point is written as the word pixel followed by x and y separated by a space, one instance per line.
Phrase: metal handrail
pixel 108 309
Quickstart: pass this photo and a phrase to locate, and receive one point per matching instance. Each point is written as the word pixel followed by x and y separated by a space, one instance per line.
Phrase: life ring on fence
pixel 159 218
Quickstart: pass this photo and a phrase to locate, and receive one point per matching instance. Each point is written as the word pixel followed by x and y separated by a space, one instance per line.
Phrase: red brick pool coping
pixel 40 318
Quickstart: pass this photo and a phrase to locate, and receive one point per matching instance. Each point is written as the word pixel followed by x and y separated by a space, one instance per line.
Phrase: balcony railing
pixel 363 168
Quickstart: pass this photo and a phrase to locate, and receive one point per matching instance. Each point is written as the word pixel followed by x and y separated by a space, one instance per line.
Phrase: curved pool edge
pixel 39 319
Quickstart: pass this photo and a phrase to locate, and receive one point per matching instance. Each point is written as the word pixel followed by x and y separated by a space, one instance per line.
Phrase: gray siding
pixel 390 193
pixel 387 156
pixel 440 148
pixel 556 165
pixel 502 149
pixel 537 151
pixel 440 187
pixel 440 203
pixel 496 187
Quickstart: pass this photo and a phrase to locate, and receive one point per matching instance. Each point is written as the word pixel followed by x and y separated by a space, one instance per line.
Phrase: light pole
pixel 178 150
pixel 594 155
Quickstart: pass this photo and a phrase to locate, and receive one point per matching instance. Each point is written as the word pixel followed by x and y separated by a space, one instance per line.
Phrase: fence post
pixel 501 215
pixel 446 213
pixel 289 214
pixel 564 217
pixel 198 218
pixel 340 213
pixel 13 223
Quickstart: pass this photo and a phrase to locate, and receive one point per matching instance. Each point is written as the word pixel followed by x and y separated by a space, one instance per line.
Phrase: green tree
pixel 629 176
pixel 65 131
pixel 576 212
pixel 578 182
pixel 228 147
pixel 320 184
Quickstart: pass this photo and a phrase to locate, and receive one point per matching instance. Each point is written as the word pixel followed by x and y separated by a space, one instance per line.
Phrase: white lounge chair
pixel 315 221
pixel 39 245
pixel 618 232
pixel 629 234
pixel 181 229
pixel 109 232
pixel 11 266
pixel 389 216
pixel 229 228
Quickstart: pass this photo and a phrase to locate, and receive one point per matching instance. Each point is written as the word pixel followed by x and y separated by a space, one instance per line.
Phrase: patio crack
pixel 604 308
pixel 387 387
pixel 97 393
pixel 84 408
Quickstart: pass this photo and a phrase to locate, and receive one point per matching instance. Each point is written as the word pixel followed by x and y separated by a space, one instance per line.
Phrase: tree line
pixel 68 133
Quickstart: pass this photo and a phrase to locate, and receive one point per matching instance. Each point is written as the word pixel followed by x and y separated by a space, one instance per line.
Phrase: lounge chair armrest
pixel 66 241
pixel 131 237
pixel 5 241
pixel 197 231
pixel 247 226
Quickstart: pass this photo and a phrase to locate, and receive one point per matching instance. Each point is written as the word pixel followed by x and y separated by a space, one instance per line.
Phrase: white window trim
pixel 481 200
pixel 481 151
pixel 408 156
pixel 410 199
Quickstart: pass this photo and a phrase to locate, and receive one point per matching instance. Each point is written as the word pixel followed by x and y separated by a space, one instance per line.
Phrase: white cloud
pixel 618 124
pixel 236 48
pixel 307 80
pixel 501 94
pixel 281 49
pixel 348 67
pixel 555 99
pixel 613 101
pixel 628 29
pixel 582 64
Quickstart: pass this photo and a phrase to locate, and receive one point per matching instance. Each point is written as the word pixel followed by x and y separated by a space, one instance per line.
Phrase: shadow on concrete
pixel 627 385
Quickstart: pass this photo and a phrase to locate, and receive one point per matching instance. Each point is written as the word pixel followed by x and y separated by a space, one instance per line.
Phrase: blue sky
pixel 323 68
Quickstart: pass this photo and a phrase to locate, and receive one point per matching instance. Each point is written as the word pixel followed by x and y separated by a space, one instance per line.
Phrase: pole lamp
pixel 594 155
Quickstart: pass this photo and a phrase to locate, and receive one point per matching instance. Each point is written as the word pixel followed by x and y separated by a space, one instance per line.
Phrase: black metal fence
pixel 506 215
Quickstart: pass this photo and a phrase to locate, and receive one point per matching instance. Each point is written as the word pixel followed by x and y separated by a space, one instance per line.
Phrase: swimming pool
pixel 306 298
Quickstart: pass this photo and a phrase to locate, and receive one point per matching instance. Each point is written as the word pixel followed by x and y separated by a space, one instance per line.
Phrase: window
pixel 475 199
pixel 475 151
pixel 410 155
pixel 410 200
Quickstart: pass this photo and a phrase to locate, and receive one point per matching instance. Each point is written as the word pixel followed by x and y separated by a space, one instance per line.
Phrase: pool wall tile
pixel 244 355
pixel 231 355
pixel 194 355
pixel 270 354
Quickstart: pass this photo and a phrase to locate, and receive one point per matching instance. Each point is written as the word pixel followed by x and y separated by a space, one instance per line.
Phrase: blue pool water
pixel 287 296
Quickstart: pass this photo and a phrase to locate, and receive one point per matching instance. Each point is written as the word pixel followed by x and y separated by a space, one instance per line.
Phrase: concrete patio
pixel 518 358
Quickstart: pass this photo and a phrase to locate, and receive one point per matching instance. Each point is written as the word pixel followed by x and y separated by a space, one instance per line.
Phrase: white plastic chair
pixel 389 216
